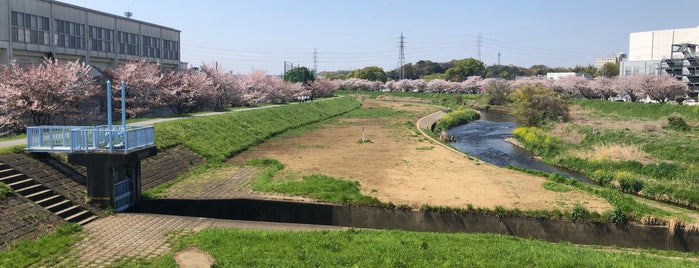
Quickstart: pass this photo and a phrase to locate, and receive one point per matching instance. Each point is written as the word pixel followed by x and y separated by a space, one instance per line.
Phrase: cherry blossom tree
pixel 662 88
pixel 439 86
pixel 44 92
pixel 472 84
pixel 143 88
pixel 186 91
pixel 323 87
pixel 629 86
pixel 604 87
pixel 225 91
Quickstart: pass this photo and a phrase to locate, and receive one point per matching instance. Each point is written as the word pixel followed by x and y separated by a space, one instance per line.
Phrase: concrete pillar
pixel 105 169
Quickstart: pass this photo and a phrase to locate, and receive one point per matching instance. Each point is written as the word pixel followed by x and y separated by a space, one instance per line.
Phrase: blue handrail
pixel 87 139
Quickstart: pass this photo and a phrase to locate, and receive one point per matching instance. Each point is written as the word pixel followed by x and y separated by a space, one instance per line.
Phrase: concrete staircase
pixel 44 197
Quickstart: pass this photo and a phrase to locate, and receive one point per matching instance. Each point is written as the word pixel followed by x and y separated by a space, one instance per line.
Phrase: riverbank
pixel 401 166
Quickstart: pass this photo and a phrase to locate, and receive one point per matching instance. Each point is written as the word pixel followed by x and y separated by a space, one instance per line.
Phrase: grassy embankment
pixel 219 137
pixel 368 248
pixel 625 150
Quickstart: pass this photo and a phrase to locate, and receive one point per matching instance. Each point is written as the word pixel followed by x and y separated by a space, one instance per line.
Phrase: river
pixel 485 140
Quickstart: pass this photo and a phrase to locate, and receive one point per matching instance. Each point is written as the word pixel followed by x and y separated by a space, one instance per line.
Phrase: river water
pixel 485 140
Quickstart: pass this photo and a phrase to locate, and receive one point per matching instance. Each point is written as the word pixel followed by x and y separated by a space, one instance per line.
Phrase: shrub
pixel 628 182
pixel 579 213
pixel 676 122
pixel 537 106
pixel 4 190
pixel 535 140
pixel 618 217
pixel 456 118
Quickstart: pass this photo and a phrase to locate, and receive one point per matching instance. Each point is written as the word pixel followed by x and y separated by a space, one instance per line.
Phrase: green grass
pixel 4 190
pixel 557 187
pixel 673 177
pixel 369 248
pixel 22 136
pixel 219 137
pixel 320 187
pixel 47 249
pixel 629 110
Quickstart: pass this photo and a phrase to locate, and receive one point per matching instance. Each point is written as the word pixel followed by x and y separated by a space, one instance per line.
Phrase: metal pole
pixel 123 111
pixel 109 105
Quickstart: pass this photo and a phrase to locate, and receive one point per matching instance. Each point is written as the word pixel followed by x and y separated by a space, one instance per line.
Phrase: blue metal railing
pixel 86 139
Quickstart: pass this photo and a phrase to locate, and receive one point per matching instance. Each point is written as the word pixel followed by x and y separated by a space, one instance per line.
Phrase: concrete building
pixel 600 62
pixel 34 29
pixel 647 49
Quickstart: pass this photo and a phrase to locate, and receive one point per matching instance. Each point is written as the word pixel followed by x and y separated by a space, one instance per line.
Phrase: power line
pixel 315 60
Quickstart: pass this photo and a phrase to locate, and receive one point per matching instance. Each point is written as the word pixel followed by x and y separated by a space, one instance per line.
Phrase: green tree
pixel 537 106
pixel 299 75
pixel 464 68
pixel 609 69
pixel 371 73
pixel 588 70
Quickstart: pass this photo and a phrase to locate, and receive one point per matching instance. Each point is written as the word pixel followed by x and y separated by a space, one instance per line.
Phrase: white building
pixel 34 29
pixel 647 49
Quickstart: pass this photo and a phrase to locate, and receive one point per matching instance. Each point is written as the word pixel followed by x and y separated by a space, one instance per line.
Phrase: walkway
pixel 132 236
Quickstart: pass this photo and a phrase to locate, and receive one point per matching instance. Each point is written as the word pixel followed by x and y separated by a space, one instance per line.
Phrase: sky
pixel 262 34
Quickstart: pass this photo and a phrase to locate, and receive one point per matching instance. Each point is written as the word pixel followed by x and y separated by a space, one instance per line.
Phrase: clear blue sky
pixel 262 34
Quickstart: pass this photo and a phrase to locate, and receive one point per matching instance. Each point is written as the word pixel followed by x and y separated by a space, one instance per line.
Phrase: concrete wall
pixel 657 45
pixel 635 236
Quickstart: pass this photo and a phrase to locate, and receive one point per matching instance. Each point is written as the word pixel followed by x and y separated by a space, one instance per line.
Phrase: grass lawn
pixel 368 248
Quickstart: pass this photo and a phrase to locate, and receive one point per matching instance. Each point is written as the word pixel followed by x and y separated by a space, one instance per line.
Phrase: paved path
pixel 134 235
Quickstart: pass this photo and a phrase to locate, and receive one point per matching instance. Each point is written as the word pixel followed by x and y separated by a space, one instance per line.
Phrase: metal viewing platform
pixel 98 139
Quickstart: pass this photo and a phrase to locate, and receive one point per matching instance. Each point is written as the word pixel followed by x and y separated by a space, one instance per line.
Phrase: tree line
pixel 68 92
pixel 459 70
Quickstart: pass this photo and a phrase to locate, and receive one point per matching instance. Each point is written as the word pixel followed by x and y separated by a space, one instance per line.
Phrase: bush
pixel 4 190
pixel 618 217
pixel 579 213
pixel 536 141
pixel 456 118
pixel 537 106
pixel 676 122
pixel 627 183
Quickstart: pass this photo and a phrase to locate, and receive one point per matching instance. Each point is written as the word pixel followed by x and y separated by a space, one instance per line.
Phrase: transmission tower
pixel 498 58
pixel 315 60
pixel 401 55
pixel 478 45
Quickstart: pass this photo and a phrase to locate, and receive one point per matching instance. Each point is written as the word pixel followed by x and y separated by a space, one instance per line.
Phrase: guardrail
pixel 87 139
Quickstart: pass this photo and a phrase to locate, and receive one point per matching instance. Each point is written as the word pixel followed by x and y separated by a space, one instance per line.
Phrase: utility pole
pixel 401 55
pixel 498 58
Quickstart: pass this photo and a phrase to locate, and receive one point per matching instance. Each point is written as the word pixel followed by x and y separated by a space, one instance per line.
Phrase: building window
pixel 30 29
pixel 151 47
pixel 128 43
pixel 101 39
pixel 171 50
pixel 69 34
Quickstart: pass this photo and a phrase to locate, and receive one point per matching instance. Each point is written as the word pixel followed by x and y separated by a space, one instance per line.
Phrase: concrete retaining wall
pixel 634 236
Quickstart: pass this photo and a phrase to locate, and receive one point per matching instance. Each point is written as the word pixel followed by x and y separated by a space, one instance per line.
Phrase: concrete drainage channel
pixel 631 235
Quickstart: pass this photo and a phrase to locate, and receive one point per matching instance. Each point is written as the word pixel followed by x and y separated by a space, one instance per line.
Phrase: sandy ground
pixel 403 167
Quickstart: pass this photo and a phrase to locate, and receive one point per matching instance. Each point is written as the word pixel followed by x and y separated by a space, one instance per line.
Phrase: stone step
pixel 87 220
pixel 53 198
pixel 54 205
pixel 67 210
pixel 75 216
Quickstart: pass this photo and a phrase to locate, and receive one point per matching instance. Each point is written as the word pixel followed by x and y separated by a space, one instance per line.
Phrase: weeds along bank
pixel 219 137
pixel 646 149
